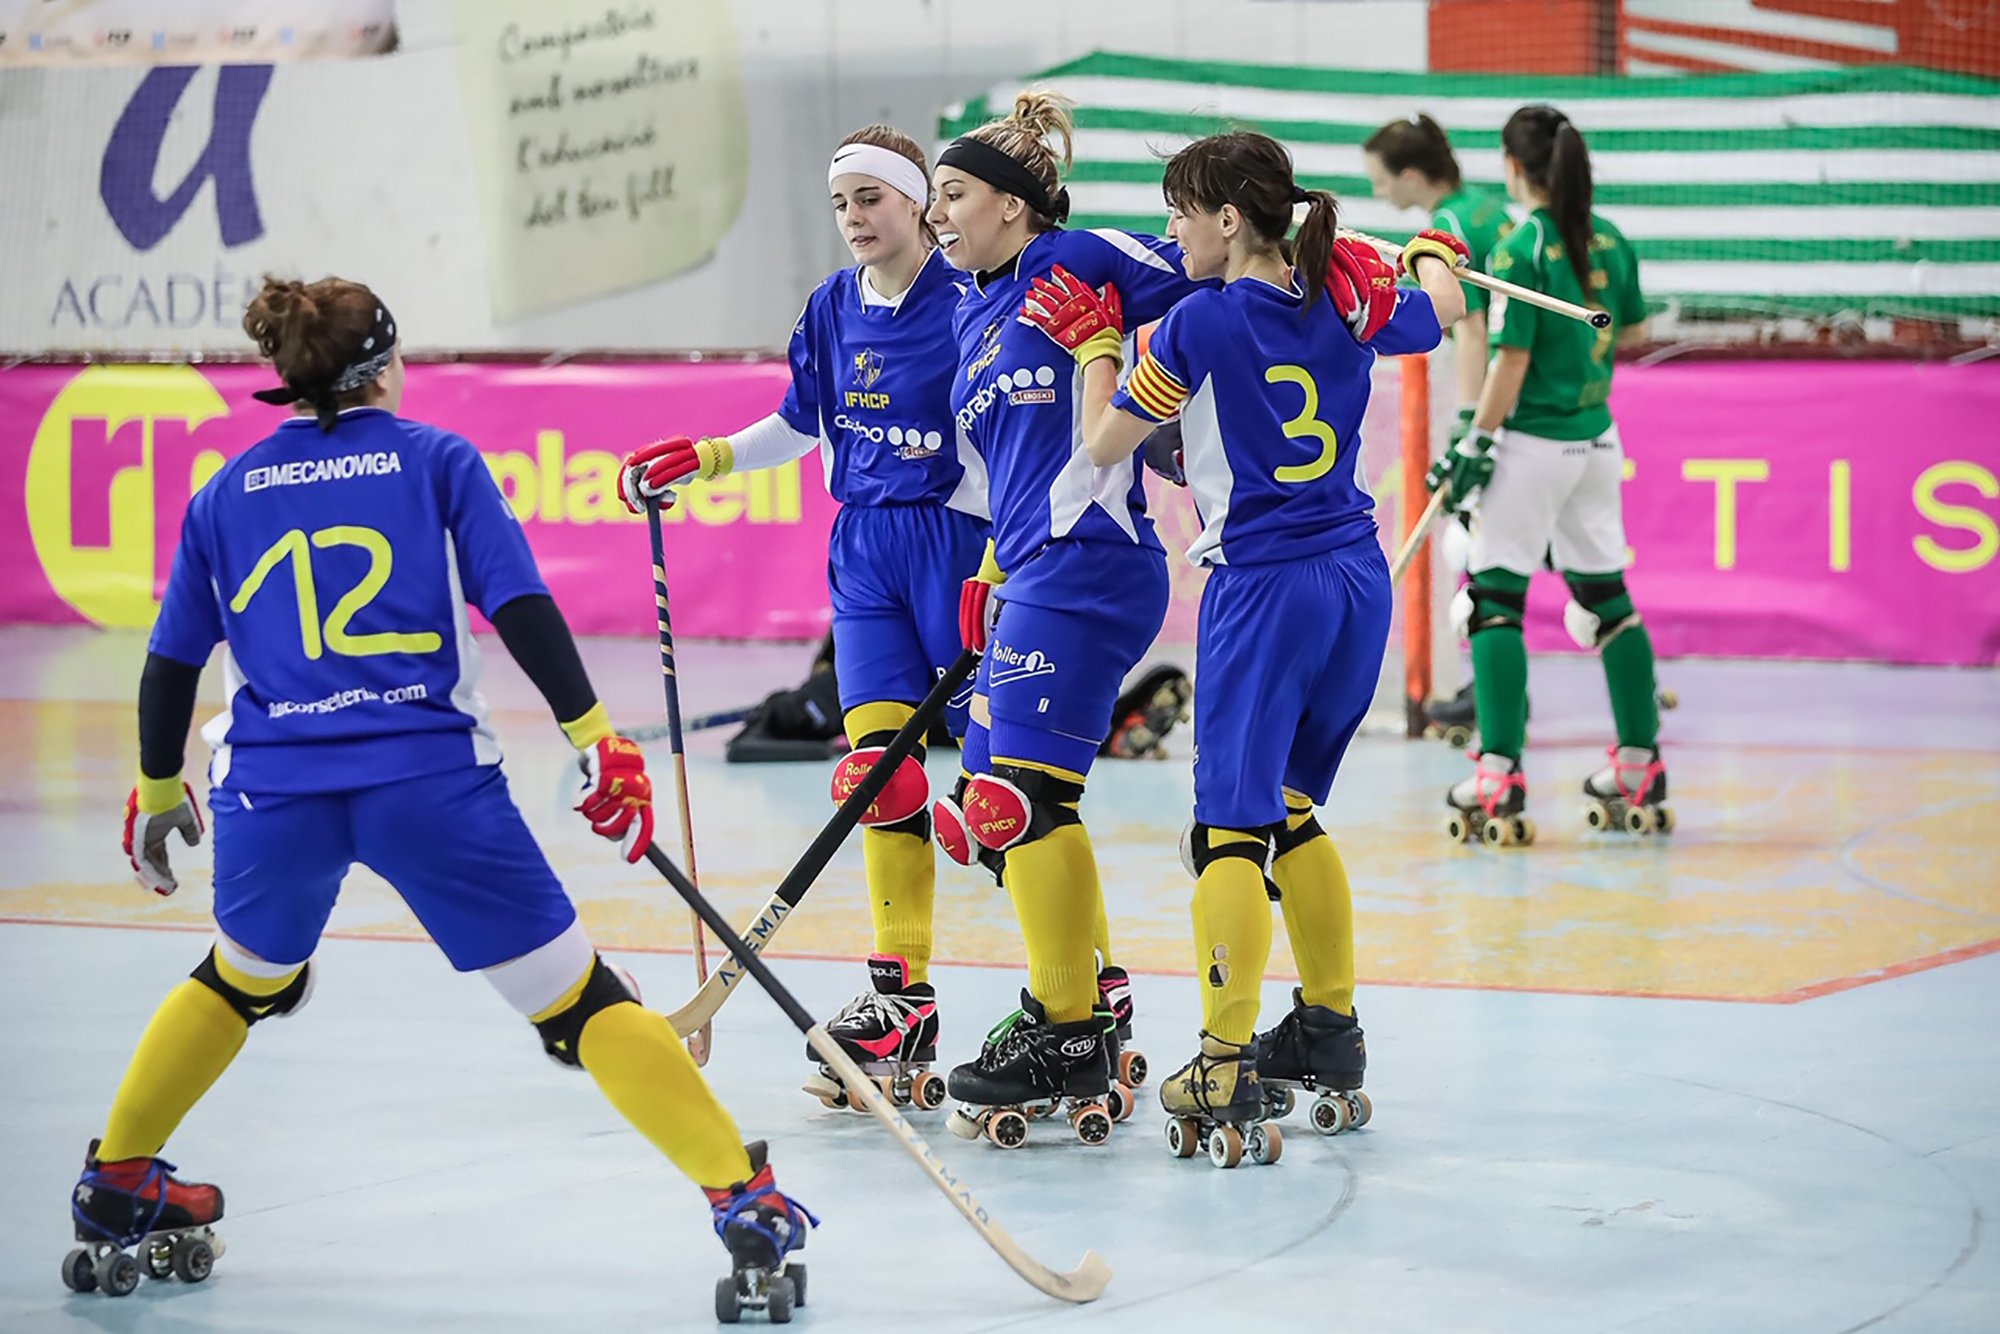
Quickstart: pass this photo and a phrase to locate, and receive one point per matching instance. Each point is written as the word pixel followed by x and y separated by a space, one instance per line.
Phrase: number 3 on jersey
pixel 380 560
pixel 1305 426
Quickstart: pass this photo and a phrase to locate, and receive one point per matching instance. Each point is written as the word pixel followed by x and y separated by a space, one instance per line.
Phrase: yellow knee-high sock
pixel 192 1038
pixel 1319 912
pixel 902 871
pixel 1232 933
pixel 1057 897
pixel 643 1070
pixel 1103 937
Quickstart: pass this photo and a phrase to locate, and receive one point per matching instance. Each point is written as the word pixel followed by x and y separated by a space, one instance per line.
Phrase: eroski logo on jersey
pixel 1023 387
pixel 1018 665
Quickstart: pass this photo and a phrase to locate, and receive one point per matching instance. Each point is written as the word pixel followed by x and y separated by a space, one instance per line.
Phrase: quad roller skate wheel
pixel 192 1259
pixel 77 1271
pixel 1331 1115
pixel 1280 1102
pixel 1183 1137
pixel 1638 820
pixel 1507 831
pixel 728 1301
pixel 927 1091
pixel 1132 1068
pixel 1458 828
pixel 1456 735
pixel 1265 1144
pixel 1091 1122
pixel 1361 1110
pixel 779 1298
pixel 1225 1146
pixel 117 1273
pixel 1119 1102
pixel 962 1125
pixel 1598 816
pixel 1008 1129
pixel 1663 819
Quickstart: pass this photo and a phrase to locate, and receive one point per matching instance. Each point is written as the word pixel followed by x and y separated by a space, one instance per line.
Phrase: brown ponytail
pixel 1254 172
pixel 1553 157
pixel 1416 141
pixel 312 332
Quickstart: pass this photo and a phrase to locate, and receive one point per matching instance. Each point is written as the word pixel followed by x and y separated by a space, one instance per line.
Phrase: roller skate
pixel 1030 1068
pixel 891 1033
pixel 1143 715
pixel 1321 1051
pixel 1455 719
pixel 761 1228
pixel 1630 793
pixel 1491 805
pixel 140 1204
pixel 1217 1101
pixel 1128 1064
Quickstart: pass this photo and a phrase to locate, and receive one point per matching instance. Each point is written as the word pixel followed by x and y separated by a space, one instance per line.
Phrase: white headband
pixel 892 169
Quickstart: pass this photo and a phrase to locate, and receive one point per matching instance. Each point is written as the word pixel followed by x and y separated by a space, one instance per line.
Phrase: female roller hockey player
pixel 872 365
pixel 1085 591
pixel 337 559
pixel 1270 384
pixel 1546 454
pixel 1410 165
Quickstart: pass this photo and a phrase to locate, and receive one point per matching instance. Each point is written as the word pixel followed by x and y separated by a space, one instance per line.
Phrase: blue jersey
pixel 1017 398
pixel 1271 405
pixel 339 566
pixel 874 384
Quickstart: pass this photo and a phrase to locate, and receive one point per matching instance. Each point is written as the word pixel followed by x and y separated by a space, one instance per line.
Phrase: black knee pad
pixel 1600 609
pixel 918 826
pixel 562 1032
pixel 1495 608
pixel 883 738
pixel 1595 591
pixel 1290 839
pixel 254 1008
pixel 1198 851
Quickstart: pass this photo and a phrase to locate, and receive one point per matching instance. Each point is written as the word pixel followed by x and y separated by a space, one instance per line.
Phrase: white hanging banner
pixel 191 32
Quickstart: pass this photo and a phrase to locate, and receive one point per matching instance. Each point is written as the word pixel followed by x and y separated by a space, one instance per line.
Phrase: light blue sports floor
pixel 1745 1078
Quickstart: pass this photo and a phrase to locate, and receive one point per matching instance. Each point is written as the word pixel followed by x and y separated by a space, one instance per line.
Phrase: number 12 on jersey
pixel 314 638
pixel 1305 426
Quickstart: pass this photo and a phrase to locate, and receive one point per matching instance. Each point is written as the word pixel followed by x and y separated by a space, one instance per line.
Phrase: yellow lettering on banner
pixel 719 501
pixel 592 495
pixel 206 464
pixel 1956 560
pixel 549 454
pixel 1725 473
pixel 1840 515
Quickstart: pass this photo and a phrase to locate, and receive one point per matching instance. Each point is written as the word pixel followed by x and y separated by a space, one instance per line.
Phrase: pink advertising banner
pixel 1774 509
pixel 1809 510
pixel 97 464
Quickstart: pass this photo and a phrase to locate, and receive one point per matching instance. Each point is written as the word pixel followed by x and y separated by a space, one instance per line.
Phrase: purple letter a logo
pixel 132 156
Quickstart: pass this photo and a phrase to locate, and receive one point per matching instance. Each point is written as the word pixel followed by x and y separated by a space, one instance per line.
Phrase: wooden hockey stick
pixel 1408 551
pixel 698 1041
pixel 1596 319
pixel 701 722
pixel 701 1008
pixel 1082 1284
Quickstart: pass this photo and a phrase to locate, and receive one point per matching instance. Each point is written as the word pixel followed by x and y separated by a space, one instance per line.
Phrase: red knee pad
pixel 996 812
pixel 907 790
pixel 948 825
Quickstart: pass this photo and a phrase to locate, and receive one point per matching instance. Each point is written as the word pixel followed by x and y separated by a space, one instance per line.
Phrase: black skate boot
pixel 1630 793
pixel 1455 719
pixel 1143 715
pixel 1321 1051
pixel 891 1033
pixel 761 1227
pixel 139 1203
pixel 1031 1068
pixel 1217 1101
pixel 1490 806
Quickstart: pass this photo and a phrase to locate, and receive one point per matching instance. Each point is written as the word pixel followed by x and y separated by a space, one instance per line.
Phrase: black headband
pixel 999 169
pixel 377 350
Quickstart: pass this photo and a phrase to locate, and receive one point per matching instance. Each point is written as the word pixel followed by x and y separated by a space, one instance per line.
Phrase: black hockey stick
pixel 1082 1284
pixel 701 1009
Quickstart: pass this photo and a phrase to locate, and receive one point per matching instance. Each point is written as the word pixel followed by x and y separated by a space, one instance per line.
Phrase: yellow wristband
pixel 590 729
pixel 715 457
pixel 1109 343
pixel 989 567
pixel 1419 246
pixel 157 796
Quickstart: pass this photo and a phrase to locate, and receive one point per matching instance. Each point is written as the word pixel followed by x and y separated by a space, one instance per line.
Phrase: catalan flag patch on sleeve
pixel 1153 390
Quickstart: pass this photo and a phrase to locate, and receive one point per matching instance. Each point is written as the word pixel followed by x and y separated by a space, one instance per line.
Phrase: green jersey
pixel 1569 363
pixel 1479 220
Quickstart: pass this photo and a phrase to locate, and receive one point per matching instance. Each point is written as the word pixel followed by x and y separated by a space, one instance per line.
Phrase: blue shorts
pixel 452 844
pixel 894 572
pixel 1288 660
pixel 1051 675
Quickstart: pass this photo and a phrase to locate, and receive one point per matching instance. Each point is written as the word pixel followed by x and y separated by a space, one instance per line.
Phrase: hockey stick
pixel 1596 319
pixel 698 1042
pixel 1082 1284
pixel 1408 551
pixel 701 722
pixel 715 990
